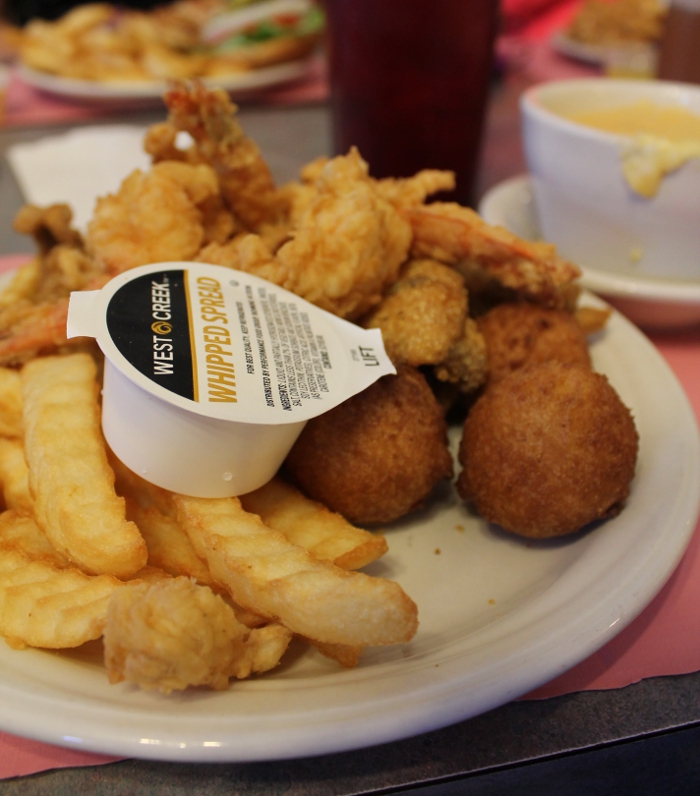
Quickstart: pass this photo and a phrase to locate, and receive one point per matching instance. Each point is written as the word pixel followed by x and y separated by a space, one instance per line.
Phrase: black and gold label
pixel 149 321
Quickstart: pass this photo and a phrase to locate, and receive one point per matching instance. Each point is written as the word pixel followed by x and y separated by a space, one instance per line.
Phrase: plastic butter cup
pixel 211 374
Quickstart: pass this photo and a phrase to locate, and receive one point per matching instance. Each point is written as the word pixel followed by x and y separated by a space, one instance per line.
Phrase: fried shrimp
pixel 413 191
pixel 155 217
pixel 459 236
pixel 173 634
pixel 246 182
pixel 344 253
pixel 350 243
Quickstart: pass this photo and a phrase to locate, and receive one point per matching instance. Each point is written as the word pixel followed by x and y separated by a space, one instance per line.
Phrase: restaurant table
pixel 641 739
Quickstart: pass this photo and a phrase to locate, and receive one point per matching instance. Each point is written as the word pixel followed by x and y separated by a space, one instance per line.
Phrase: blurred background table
pixel 642 739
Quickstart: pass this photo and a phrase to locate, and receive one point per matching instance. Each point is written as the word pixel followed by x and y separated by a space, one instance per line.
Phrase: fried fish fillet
pixel 422 315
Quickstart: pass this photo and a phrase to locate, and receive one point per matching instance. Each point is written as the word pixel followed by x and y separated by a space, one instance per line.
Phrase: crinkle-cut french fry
pixel 326 535
pixel 42 605
pixel 169 547
pixel 69 477
pixel 348 657
pixel 10 403
pixel 14 476
pixel 269 575
pixel 176 633
pixel 20 532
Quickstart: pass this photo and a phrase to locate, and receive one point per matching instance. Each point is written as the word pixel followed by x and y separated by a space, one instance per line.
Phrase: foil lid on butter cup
pixel 211 373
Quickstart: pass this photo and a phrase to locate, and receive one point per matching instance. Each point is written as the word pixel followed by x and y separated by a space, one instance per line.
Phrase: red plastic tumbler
pixel 410 82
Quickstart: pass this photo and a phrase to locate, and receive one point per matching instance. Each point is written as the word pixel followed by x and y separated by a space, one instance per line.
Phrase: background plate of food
pixel 100 52
pixel 579 50
pixel 599 29
pixel 152 91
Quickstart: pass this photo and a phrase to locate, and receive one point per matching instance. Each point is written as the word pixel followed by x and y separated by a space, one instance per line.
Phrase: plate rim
pixel 152 90
pixel 563 44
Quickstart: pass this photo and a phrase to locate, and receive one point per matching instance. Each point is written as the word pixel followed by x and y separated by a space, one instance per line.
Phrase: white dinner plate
pixel 650 303
pixel 499 616
pixel 580 51
pixel 151 91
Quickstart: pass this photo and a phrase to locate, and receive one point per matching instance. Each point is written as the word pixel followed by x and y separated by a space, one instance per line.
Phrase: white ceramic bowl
pixel 584 203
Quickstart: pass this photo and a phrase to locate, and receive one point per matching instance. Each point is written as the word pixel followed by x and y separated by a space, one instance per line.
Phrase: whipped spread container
pixel 211 373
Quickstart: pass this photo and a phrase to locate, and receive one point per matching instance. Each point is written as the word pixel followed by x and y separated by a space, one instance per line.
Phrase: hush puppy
pixel 548 450
pixel 378 455
pixel 518 334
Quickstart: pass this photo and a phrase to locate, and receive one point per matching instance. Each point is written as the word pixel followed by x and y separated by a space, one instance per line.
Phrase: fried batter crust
pixel 548 450
pixel 519 334
pixel 423 315
pixel 378 455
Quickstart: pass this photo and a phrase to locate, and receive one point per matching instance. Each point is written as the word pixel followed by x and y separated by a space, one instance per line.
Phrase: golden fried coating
pixel 423 314
pixel 349 244
pixel 378 455
pixel 413 191
pixel 458 235
pixel 246 182
pixel 466 363
pixel 548 450
pixel 154 217
pixel 48 226
pixel 345 251
pixel 519 334
pixel 172 634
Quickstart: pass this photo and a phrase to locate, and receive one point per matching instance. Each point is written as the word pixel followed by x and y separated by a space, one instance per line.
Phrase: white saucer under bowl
pixel 650 303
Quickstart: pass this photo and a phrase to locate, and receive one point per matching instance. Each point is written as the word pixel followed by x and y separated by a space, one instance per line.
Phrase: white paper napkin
pixel 78 166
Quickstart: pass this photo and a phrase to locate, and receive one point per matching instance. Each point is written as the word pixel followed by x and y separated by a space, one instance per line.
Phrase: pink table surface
pixel 663 640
